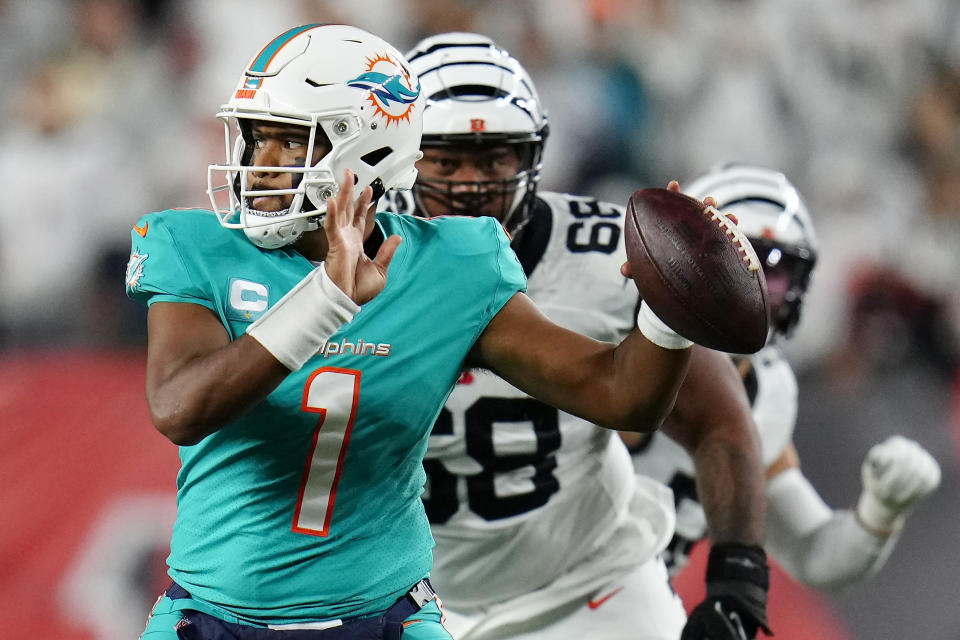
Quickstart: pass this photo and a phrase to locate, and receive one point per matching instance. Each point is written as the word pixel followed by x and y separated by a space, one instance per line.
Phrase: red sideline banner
pixel 87 496
pixel 794 611
pixel 87 501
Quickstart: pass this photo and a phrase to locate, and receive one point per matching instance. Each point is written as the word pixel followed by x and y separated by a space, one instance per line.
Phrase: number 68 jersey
pixel 518 493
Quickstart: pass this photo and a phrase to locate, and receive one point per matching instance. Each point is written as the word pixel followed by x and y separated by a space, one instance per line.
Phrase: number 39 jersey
pixel 772 388
pixel 308 506
pixel 519 493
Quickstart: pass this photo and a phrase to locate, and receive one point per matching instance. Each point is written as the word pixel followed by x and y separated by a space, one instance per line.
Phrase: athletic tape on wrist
pixel 295 328
pixel 657 332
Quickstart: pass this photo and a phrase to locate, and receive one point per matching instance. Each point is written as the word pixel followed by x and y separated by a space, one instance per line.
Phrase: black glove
pixel 736 605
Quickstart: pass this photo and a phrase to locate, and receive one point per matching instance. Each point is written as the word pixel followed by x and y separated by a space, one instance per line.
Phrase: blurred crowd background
pixel 108 108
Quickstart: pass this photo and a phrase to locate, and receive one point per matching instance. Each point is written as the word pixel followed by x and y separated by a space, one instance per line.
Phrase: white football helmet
pixel 773 216
pixel 352 90
pixel 478 94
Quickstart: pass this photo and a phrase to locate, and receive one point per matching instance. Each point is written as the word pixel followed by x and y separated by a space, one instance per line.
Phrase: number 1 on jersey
pixel 332 393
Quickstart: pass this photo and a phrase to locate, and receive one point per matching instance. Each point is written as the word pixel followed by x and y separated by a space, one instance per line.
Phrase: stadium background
pixel 107 113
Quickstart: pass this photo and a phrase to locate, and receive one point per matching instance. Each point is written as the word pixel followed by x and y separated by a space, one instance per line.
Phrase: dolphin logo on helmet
pixel 391 94
pixel 339 83
pixel 387 88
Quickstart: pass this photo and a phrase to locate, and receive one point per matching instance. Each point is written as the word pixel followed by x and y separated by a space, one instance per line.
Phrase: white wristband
pixel 876 516
pixel 295 328
pixel 657 332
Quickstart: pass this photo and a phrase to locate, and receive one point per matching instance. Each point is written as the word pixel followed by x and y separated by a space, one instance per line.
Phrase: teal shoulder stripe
pixel 263 59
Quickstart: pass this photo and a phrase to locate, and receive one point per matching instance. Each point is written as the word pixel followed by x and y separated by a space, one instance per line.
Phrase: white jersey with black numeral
pixel 772 388
pixel 518 493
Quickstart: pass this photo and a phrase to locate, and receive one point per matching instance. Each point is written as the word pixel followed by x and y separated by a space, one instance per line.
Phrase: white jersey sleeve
pixel 519 493
pixel 772 388
pixel 821 547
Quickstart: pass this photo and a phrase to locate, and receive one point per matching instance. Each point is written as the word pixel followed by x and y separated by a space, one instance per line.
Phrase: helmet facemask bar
pixel 468 198
pixel 310 186
pixel 473 197
pixel 787 269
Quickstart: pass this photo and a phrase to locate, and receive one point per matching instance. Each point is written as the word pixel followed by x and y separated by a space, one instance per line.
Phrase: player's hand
pixel 897 474
pixel 673 185
pixel 736 603
pixel 709 201
pixel 347 265
pixel 711 621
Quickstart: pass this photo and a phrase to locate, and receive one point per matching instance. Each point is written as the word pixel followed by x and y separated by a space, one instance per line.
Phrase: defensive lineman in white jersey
pixel 542 528
pixel 821 547
pixel 533 508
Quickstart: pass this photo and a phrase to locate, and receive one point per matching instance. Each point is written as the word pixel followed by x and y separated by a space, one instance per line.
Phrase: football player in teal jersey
pixel 300 384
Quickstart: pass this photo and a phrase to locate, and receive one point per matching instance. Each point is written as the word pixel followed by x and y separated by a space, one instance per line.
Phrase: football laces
pixel 744 248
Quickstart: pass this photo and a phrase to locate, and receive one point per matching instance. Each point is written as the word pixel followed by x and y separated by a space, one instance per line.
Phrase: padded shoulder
pixel 174 252
pixel 775 404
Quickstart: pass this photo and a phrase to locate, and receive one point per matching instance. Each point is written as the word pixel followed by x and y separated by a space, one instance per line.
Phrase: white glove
pixel 897 474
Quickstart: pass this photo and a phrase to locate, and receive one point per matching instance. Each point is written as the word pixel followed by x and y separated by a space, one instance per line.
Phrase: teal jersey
pixel 308 507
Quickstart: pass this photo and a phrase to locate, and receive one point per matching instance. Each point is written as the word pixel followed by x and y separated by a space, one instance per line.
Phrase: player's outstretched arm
pixel 713 422
pixel 834 549
pixel 630 386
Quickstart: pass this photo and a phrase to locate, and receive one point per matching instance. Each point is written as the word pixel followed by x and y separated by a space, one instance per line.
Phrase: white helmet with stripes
pixel 353 91
pixel 771 213
pixel 478 94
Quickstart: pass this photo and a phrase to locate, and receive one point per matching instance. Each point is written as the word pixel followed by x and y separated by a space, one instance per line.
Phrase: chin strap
pixel 378 189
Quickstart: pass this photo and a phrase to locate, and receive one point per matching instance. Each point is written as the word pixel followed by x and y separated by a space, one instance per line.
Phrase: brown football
pixel 697 271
